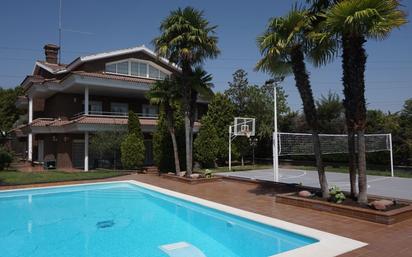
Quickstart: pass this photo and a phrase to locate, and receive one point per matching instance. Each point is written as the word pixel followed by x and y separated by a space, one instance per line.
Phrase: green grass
pixel 24 178
pixel 341 169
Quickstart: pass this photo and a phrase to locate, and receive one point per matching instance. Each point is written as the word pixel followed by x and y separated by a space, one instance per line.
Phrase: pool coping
pixel 329 244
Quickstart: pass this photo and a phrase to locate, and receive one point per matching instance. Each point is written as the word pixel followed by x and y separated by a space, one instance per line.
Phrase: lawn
pixel 8 178
pixel 341 169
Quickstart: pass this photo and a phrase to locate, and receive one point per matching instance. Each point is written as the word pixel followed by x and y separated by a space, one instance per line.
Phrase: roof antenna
pixel 60 31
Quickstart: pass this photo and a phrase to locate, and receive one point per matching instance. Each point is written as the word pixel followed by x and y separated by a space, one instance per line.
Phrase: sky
pixel 92 26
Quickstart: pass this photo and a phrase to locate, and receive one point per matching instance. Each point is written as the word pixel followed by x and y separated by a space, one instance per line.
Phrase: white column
pixel 275 136
pixel 86 100
pixel 30 135
pixel 30 147
pixel 86 151
pixel 30 109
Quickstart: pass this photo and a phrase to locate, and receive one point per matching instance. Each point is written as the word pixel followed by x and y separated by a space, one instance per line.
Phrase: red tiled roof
pixel 92 119
pixel 53 66
pixel 113 76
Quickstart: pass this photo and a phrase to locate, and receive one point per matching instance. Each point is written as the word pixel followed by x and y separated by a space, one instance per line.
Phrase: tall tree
pixel 165 94
pixel 187 39
pixel 220 115
pixel 283 46
pixel 9 114
pixel 237 91
pixel 354 22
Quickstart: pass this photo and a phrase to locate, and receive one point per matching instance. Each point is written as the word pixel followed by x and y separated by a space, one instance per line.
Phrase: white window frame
pixel 95 102
pixel 129 60
pixel 119 104
pixel 149 106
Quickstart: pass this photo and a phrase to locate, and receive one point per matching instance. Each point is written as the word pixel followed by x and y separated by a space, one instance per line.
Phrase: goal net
pixel 302 144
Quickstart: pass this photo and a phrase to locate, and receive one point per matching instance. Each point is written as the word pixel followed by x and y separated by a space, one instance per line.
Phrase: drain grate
pixel 105 224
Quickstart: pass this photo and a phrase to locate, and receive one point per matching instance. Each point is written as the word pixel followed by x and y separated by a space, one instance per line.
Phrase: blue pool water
pixel 125 220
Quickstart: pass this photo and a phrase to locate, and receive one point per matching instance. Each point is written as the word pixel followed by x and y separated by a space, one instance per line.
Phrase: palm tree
pixel 284 45
pixel 187 39
pixel 318 7
pixel 201 83
pixel 354 22
pixel 165 94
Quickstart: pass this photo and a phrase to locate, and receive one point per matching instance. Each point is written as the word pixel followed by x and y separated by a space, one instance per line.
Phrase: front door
pixel 40 150
pixel 148 160
pixel 78 154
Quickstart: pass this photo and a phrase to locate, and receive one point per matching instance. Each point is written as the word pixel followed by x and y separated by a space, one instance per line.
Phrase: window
pixel 122 68
pixel 150 110
pixel 95 107
pixel 119 107
pixel 153 72
pixel 136 68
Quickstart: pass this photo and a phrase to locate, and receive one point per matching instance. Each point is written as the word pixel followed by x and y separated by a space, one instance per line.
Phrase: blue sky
pixel 27 25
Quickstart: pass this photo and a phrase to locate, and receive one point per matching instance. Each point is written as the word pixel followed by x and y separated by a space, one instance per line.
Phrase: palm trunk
pixel 352 162
pixel 175 152
pixel 188 144
pixel 187 116
pixel 354 62
pixel 305 91
pixel 348 103
pixel 362 197
pixel 171 127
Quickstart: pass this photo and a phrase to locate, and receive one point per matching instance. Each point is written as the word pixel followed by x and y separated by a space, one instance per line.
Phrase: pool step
pixel 182 249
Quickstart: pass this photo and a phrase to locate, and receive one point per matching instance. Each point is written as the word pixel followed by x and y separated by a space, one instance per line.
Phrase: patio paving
pixel 383 241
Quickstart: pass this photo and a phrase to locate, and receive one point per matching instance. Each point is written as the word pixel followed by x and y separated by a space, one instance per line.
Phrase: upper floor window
pixel 149 110
pixel 136 68
pixel 120 108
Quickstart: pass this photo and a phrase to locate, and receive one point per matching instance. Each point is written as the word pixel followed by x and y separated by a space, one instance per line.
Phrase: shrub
pixel 336 195
pixel 132 152
pixel 134 124
pixel 206 146
pixel 6 158
pixel 163 147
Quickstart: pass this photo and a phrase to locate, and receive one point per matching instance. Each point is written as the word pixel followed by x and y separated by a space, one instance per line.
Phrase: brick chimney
pixel 51 52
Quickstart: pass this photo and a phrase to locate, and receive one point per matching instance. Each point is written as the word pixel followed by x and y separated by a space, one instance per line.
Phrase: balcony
pixel 114 115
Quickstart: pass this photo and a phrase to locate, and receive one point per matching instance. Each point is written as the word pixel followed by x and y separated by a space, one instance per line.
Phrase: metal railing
pixel 115 114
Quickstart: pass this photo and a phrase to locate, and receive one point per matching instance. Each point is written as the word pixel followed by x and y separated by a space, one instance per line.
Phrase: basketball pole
pixel 230 148
pixel 275 135
pixel 391 154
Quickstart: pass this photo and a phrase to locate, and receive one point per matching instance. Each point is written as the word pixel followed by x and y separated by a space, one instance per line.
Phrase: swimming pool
pixel 121 219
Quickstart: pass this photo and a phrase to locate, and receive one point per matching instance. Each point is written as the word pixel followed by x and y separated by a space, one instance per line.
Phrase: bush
pixel 163 147
pixel 132 152
pixel 134 124
pixel 336 195
pixel 6 158
pixel 206 146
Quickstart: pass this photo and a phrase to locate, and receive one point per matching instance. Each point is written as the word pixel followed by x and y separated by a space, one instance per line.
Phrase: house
pixel 67 104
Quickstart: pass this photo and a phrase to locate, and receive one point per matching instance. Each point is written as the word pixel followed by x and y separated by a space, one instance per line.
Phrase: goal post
pixel 302 144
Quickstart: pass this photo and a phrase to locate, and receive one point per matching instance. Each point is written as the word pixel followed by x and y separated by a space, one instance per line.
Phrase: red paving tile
pixel 383 240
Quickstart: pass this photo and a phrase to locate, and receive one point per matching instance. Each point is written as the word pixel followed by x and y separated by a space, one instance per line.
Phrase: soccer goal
pixel 302 144
pixel 244 127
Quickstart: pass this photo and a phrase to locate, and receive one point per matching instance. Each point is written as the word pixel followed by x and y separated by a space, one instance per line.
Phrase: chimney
pixel 51 52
